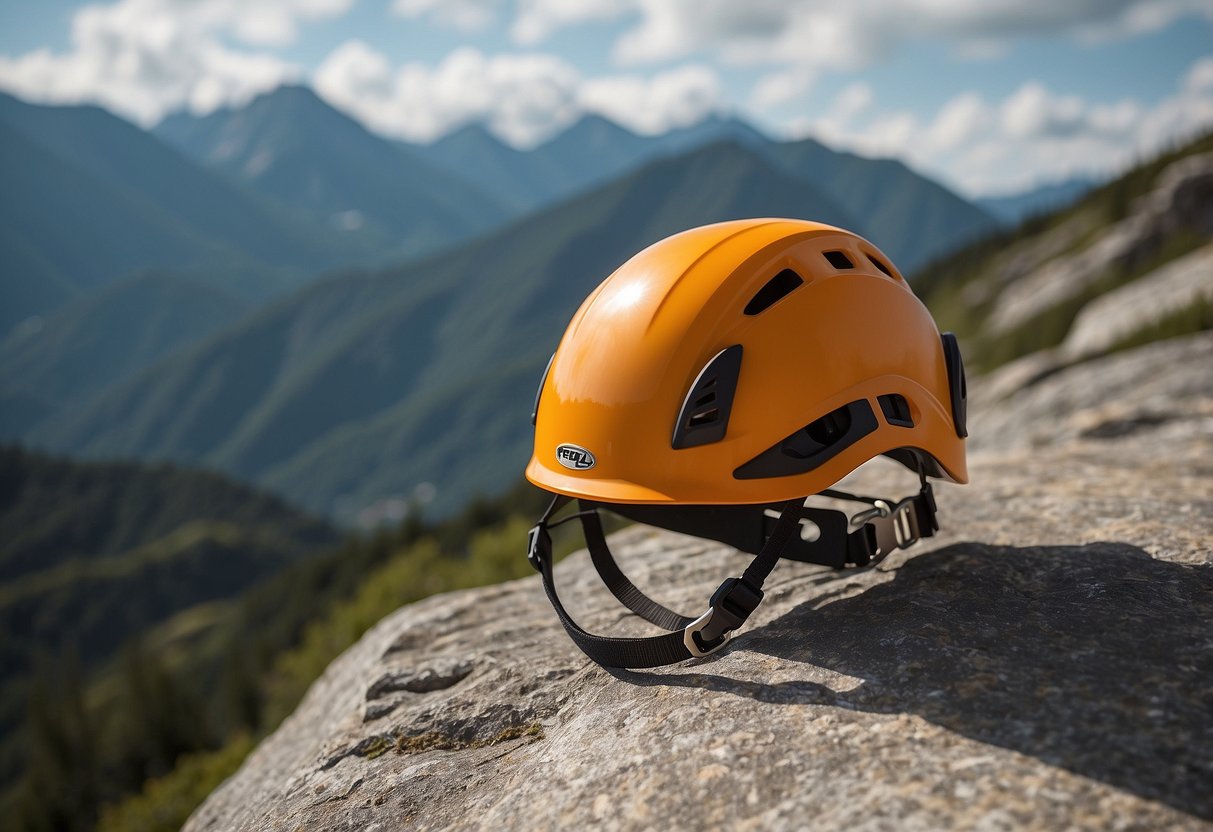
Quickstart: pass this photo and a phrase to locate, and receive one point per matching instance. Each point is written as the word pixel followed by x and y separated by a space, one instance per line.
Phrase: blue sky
pixel 989 97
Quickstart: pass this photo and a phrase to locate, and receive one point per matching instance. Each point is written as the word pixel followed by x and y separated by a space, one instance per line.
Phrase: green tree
pixel 60 788
pixel 155 720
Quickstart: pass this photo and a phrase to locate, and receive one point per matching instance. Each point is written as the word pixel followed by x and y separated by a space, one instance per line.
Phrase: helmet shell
pixel 617 384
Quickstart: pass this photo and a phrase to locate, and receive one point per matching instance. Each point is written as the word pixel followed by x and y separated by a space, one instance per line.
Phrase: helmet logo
pixel 575 457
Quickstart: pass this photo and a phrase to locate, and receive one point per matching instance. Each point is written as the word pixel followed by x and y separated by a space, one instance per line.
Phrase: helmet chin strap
pixel 790 530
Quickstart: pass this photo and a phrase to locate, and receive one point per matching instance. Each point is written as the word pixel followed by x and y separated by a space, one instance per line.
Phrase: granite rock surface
pixel 1036 276
pixel 1046 662
pixel 1113 316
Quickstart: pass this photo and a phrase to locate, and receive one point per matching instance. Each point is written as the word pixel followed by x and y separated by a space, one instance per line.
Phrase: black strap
pixel 623 589
pixel 823 537
pixel 731 605
pixel 881 529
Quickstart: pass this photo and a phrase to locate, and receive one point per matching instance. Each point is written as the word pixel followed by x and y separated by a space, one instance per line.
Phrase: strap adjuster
pixel 692 639
pixel 731 604
pixel 898 526
pixel 538 546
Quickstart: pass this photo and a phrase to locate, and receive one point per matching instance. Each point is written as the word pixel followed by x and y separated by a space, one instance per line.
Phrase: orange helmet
pixel 719 378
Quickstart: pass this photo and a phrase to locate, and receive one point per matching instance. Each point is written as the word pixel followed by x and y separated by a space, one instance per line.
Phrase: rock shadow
pixel 1097 659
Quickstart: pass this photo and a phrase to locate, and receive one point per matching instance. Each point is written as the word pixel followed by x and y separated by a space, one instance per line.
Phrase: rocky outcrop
pixel 1118 314
pixel 1044 663
pixel 1041 274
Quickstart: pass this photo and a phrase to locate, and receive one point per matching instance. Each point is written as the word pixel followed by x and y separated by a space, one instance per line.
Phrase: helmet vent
pixel 775 289
pixel 896 410
pixel 838 259
pixel 878 263
pixel 814 444
pixel 704 417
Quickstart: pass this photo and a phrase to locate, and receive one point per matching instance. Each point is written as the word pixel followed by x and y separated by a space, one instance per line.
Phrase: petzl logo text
pixel 575 457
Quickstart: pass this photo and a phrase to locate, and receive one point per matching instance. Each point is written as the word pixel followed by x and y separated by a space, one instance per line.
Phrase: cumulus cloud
pixel 1200 76
pixel 1034 134
pixel 677 98
pixel 521 97
pixel 816 33
pixel 533 20
pixel 537 20
pixel 831 35
pixel 142 58
pixel 524 98
pixel 463 15
pixel 958 122
pixel 781 87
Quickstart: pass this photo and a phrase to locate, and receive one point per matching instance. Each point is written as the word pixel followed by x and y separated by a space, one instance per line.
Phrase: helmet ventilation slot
pixel 878 263
pixel 838 259
pixel 704 417
pixel 774 290
pixel 815 443
pixel 896 410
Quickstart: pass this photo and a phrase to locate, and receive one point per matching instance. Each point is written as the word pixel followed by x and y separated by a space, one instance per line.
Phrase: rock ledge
pixel 1045 663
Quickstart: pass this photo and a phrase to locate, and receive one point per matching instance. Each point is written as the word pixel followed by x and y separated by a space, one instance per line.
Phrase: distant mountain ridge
pixel 89 198
pixel 302 188
pixel 913 218
pixel 291 146
pixel 101 336
pixel 336 394
pixel 361 387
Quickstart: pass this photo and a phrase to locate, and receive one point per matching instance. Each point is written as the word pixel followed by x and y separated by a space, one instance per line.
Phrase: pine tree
pixel 60 788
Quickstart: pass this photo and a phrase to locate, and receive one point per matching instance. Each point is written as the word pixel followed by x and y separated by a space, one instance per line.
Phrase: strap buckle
pixel 893 526
pixel 692 639
pixel 731 604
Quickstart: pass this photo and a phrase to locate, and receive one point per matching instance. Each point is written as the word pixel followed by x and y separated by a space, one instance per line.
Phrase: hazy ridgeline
pixel 352 387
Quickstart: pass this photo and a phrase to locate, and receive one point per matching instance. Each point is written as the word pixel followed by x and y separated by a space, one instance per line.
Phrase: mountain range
pixel 292 147
pixel 345 389
pixel 364 386
pixel 913 218
pixel 89 198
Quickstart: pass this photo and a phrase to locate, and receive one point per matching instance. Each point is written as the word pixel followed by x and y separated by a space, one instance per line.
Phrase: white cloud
pixel 781 87
pixel 835 123
pixel 524 98
pixel 677 98
pixel 1033 135
pixel 533 20
pixel 1200 76
pixel 142 58
pixel 828 34
pixel 958 122
pixel 536 20
pixel 463 15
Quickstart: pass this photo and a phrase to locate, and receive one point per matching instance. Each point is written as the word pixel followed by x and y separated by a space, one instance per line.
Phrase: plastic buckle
pixel 538 546
pixel 731 604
